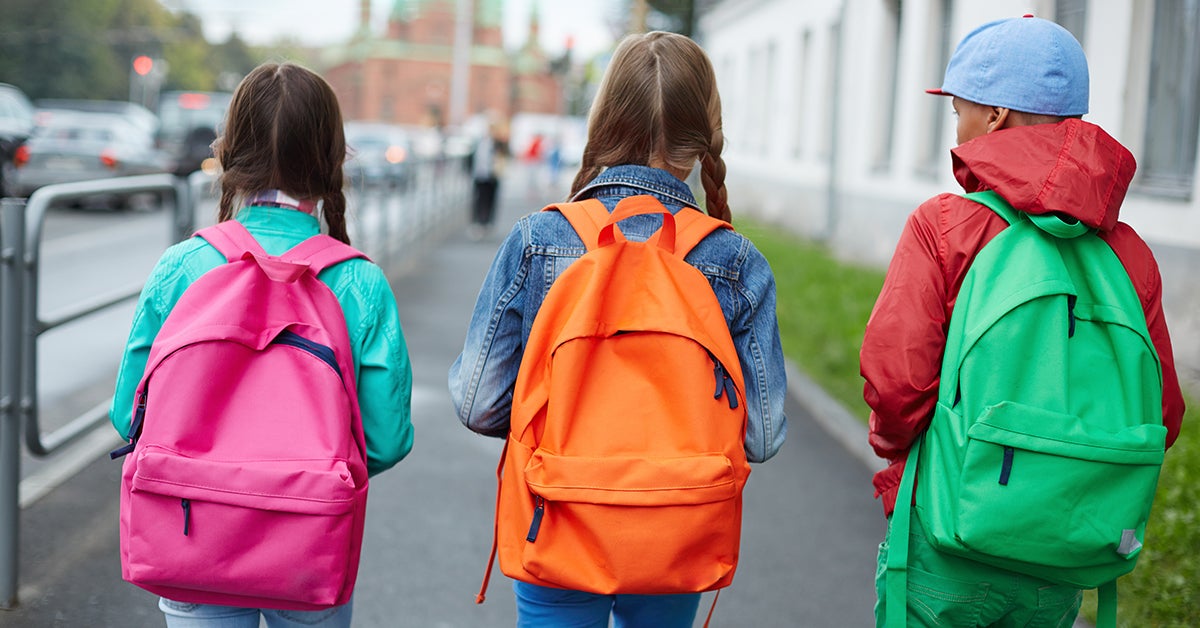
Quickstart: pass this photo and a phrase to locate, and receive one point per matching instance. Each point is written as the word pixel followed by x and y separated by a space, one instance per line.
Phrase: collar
pixel 278 198
pixel 654 181
pixel 269 218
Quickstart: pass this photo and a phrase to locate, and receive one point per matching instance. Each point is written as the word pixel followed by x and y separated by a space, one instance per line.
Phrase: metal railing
pixel 389 225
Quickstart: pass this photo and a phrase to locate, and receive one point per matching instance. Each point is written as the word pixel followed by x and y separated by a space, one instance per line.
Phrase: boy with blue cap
pixel 1019 88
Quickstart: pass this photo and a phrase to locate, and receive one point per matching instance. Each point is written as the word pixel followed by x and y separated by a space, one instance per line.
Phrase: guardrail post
pixel 12 259
pixel 182 210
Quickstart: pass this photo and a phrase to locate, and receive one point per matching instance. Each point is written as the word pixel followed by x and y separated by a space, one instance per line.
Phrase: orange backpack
pixel 625 462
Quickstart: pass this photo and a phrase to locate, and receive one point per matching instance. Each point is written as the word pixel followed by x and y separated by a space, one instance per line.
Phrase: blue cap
pixel 1022 63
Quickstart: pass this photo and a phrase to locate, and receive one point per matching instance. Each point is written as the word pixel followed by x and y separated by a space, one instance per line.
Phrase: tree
pixel 84 48
pixel 678 15
pixel 54 48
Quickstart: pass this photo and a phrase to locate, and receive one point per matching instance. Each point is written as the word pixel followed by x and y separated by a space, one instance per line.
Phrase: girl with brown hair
pixel 657 114
pixel 281 151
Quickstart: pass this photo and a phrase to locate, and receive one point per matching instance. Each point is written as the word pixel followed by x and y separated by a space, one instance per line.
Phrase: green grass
pixel 823 305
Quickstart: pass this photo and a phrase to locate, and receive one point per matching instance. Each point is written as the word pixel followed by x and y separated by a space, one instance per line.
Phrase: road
pixel 809 534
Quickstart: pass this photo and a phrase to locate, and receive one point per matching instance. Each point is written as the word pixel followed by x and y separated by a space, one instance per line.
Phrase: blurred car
pixel 188 124
pixel 83 146
pixel 377 155
pixel 134 112
pixel 16 123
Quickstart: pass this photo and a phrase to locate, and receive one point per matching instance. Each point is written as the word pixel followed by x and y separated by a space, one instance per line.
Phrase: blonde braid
pixel 712 175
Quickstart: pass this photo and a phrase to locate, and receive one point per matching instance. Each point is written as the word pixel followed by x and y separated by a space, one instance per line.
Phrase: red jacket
pixel 1072 167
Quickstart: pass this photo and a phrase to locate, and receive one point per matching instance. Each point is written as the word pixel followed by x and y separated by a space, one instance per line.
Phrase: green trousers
pixel 947 590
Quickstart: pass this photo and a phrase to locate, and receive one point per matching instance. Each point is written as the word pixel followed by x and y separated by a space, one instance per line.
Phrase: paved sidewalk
pixel 809 536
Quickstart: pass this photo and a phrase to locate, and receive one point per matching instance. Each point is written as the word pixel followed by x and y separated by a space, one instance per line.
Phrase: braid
pixel 712 175
pixel 225 208
pixel 334 211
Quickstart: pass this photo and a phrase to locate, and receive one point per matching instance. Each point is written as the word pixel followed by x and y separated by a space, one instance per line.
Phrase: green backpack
pixel 1045 447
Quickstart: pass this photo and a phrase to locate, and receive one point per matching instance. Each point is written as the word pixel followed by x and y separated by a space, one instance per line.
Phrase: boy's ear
pixel 997 118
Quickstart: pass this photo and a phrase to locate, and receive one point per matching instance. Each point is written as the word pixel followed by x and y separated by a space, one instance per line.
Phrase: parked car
pixel 136 113
pixel 16 123
pixel 378 154
pixel 82 146
pixel 189 122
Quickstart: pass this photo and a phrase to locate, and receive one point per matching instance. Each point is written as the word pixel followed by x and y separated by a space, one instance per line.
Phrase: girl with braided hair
pixel 656 114
pixel 281 152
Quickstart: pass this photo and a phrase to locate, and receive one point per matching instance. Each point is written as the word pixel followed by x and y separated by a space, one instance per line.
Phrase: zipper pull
pixel 731 393
pixel 1006 465
pixel 719 376
pixel 538 511
pixel 187 515
pixel 135 429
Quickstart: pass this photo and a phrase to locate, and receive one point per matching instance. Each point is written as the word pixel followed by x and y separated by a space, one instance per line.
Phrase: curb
pixel 841 424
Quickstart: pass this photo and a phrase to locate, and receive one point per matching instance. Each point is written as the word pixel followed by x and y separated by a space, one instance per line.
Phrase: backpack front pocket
pixel 1045 488
pixel 276 529
pixel 654 525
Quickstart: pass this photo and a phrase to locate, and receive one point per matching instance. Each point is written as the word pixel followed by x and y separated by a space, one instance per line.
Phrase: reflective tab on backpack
pixel 1129 543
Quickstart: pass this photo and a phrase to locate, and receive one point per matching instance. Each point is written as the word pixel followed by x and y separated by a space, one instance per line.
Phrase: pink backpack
pixel 246 479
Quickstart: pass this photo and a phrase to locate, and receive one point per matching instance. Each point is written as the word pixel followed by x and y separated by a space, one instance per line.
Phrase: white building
pixel 829 130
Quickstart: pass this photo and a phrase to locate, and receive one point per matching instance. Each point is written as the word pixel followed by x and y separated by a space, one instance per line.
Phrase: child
pixel 656 114
pixel 1019 89
pixel 281 152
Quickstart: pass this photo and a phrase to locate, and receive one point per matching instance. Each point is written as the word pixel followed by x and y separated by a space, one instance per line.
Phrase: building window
pixel 833 47
pixel 800 84
pixel 937 108
pixel 1173 108
pixel 1072 15
pixel 893 9
pixel 731 103
pixel 768 101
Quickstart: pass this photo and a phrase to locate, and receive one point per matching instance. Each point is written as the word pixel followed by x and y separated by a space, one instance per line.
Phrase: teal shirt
pixel 380 354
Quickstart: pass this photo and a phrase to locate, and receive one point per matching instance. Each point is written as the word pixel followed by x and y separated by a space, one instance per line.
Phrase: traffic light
pixel 142 65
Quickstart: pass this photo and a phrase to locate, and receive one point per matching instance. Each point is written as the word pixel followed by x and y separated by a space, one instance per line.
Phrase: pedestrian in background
pixel 282 150
pixel 485 174
pixel 1019 90
pixel 657 114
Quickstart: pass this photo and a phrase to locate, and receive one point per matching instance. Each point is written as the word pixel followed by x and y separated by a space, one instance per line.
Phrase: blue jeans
pixel 184 615
pixel 544 607
pixel 948 590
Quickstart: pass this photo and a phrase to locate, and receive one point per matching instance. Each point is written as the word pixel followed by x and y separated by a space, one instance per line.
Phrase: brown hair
pixel 658 101
pixel 284 131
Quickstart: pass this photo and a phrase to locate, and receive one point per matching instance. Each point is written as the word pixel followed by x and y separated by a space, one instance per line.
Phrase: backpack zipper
pixel 724 383
pixel 325 354
pixel 538 510
pixel 1006 465
pixel 1071 315
pixel 187 514
pixel 135 429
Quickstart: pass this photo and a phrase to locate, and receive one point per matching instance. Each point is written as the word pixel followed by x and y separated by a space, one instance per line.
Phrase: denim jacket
pixel 541 246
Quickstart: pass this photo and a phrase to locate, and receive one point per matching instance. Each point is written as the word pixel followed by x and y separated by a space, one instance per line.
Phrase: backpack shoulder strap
pixel 322 251
pixel 587 217
pixel 996 203
pixel 231 239
pixel 692 226
pixel 896 569
pixel 1050 223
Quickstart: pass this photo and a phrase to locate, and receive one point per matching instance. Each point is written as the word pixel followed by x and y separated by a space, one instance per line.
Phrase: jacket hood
pixel 1072 167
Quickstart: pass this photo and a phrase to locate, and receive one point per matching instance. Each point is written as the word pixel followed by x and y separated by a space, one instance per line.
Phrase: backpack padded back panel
pixel 247 482
pixel 1045 448
pixel 625 460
